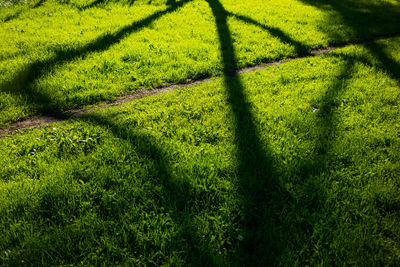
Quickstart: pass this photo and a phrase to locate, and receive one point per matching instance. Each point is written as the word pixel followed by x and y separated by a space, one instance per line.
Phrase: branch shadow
pixel 39 3
pixel 12 16
pixel 365 18
pixel 17 13
pixel 329 102
pixel 300 48
pixel 309 178
pixel 366 21
pixel 23 83
pixel 171 2
pixel 387 63
pixel 178 195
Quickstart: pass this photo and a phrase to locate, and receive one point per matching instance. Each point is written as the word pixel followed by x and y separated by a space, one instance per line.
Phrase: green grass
pixel 297 164
pixel 58 55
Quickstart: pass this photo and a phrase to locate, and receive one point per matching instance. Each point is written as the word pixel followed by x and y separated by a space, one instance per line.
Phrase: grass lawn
pixel 296 164
pixel 58 55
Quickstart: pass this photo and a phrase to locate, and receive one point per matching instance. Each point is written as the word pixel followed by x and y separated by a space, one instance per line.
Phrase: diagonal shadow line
pixel 257 177
pixel 12 16
pixel 39 3
pixel 327 106
pixel 300 48
pixel 179 194
pixel 23 82
pixel 387 63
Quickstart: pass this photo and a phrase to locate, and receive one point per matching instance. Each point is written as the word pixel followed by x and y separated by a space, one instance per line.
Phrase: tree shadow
pixel 23 84
pixel 263 197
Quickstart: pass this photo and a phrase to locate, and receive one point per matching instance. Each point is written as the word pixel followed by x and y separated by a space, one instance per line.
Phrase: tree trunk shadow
pixel 258 181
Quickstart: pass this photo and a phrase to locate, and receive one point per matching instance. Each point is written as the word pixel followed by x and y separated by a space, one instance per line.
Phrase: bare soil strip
pixel 44 120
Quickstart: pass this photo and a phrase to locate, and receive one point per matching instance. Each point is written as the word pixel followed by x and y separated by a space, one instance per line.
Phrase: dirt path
pixel 43 120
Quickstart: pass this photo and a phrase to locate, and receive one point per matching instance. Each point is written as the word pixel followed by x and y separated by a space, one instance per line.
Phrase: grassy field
pixel 58 55
pixel 297 164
